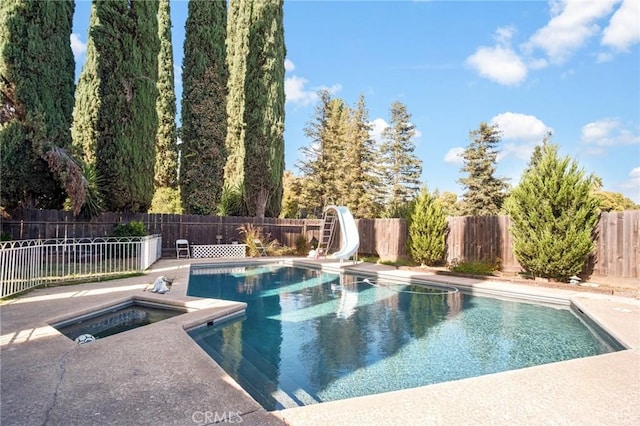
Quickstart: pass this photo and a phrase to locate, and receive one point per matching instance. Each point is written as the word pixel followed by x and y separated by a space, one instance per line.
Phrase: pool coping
pixel 187 382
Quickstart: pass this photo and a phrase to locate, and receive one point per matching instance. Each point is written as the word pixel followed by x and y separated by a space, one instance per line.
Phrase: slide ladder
pixel 327 232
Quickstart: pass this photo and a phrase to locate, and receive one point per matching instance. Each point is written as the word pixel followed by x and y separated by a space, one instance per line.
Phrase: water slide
pixel 349 236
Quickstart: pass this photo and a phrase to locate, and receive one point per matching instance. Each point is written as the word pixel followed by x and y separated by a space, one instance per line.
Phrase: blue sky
pixel 569 66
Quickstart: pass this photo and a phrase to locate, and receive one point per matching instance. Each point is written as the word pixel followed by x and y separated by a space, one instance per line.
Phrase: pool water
pixel 310 336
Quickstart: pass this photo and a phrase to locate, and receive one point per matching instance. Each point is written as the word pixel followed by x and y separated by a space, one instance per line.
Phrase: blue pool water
pixel 310 336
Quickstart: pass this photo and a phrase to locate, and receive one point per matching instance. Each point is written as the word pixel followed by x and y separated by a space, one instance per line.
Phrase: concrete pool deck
pixel 157 375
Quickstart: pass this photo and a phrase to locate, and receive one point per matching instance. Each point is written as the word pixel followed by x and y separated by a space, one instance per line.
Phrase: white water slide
pixel 349 236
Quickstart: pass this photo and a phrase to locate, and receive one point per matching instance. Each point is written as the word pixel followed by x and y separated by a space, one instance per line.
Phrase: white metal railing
pixel 25 264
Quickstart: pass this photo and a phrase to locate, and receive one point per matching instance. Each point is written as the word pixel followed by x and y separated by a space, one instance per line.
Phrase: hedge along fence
pixel 469 238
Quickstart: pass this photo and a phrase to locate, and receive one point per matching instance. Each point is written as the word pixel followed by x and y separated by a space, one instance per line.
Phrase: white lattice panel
pixel 216 271
pixel 220 250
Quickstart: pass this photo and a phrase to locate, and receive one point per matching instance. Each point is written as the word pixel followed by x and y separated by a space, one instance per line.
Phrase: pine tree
pixel 36 86
pixel 553 215
pixel 120 93
pixel 402 169
pixel 166 168
pixel 427 230
pixel 204 119
pixel 360 184
pixel 322 158
pixel 485 193
pixel 264 110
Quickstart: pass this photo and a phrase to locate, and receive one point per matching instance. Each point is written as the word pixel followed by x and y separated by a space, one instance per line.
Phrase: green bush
pixel 302 246
pixel 475 267
pixel 427 230
pixel 250 234
pixel 135 228
pixel 166 200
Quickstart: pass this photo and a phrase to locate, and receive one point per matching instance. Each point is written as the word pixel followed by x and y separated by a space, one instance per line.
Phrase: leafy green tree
pixel 166 168
pixel 264 110
pixel 449 203
pixel 614 201
pixel 115 108
pixel 291 196
pixel 402 168
pixel 427 230
pixel 36 88
pixel 166 200
pixel 553 215
pixel 204 119
pixel 484 193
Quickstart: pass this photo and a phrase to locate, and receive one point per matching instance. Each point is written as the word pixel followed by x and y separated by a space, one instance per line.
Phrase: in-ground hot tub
pixel 115 319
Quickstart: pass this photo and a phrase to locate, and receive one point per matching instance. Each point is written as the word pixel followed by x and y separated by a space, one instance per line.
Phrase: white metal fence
pixel 26 264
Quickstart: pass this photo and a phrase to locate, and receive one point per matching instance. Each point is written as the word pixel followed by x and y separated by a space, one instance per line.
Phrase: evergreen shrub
pixel 427 230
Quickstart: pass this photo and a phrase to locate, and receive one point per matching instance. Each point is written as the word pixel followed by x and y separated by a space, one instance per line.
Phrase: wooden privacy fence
pixel 385 237
pixel 481 238
pixel 617 242
pixel 469 238
pixel 618 245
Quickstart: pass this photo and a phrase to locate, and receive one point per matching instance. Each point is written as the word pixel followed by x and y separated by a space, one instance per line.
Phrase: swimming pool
pixel 310 336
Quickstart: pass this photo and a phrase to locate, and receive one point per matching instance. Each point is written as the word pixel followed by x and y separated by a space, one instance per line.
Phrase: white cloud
pixel 500 64
pixel 602 57
pixel 521 132
pixel 177 75
pixel 608 132
pixel 631 187
pixel 296 92
pixel 523 127
pixel 454 155
pixel 377 127
pixel 503 35
pixel 624 26
pixel 289 65
pixel 572 24
pixel 77 45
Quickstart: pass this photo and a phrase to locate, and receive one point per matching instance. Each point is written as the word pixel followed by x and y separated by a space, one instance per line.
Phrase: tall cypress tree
pixel 255 139
pixel 237 44
pixel 125 69
pixel 87 100
pixel 36 87
pixel 204 119
pixel 166 168
pixel 402 169
pixel 485 193
pixel 273 54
